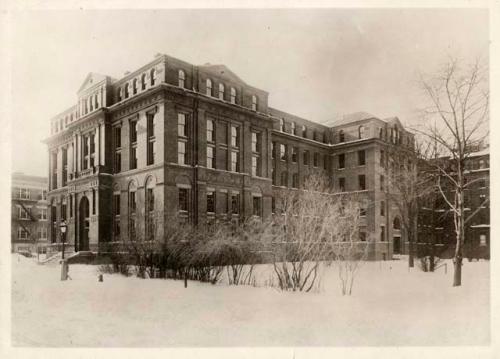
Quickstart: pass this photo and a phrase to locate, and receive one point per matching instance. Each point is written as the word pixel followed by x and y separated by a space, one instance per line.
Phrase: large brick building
pixel 198 144
pixel 29 221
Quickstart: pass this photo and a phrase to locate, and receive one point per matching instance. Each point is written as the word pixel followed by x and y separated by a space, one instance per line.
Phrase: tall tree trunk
pixel 457 273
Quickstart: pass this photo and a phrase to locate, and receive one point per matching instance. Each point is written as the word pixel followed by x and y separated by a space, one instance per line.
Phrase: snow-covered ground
pixel 390 306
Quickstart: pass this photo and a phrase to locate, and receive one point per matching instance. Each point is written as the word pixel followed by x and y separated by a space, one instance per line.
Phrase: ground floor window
pixel 482 240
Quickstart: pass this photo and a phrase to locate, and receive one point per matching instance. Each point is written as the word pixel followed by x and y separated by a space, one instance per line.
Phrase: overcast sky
pixel 317 64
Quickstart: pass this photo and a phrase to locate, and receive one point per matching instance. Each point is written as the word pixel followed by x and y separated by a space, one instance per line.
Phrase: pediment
pixel 91 79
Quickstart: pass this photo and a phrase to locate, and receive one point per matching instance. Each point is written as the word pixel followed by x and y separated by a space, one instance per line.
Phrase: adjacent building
pixel 29 224
pixel 436 224
pixel 175 141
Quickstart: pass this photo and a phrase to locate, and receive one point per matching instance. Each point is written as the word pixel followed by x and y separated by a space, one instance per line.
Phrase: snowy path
pixel 389 306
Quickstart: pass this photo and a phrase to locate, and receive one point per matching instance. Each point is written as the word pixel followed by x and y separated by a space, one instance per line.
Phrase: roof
pixel 483 152
pixel 353 117
pixel 222 70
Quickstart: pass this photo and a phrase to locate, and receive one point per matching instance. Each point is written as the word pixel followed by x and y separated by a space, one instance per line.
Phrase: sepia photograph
pixel 247 177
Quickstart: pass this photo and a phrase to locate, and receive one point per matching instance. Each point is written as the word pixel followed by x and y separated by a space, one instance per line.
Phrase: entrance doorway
pixel 397 245
pixel 84 224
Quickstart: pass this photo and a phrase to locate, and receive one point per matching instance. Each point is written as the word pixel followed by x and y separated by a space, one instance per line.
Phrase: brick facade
pixel 168 107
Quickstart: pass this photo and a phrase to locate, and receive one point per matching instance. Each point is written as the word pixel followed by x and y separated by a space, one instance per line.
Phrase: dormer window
pixel 233 95
pixel 221 91
pixel 134 86
pixel 361 132
pixel 208 90
pixel 143 82
pixel 182 79
pixel 152 75
pixel 254 103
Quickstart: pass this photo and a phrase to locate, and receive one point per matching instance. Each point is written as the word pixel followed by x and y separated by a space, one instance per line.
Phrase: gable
pixel 91 79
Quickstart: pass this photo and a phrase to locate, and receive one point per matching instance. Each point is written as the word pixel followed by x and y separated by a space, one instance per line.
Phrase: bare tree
pixel 349 251
pixel 457 119
pixel 407 185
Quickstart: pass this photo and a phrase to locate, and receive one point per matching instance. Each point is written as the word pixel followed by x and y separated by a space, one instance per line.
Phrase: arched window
pixel 304 131
pixel 119 94
pixel 208 90
pixel 126 90
pixel 152 76
pixel 282 125
pixel 341 136
pixel 134 86
pixel 254 103
pixel 396 224
pixel 143 81
pixel 150 209
pixel 361 131
pixel 182 78
pixel 233 95
pixel 221 91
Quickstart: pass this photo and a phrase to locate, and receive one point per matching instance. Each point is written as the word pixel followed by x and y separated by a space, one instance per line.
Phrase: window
pixel 254 103
pixel 24 193
pixel 233 95
pixel 295 180
pixel 306 158
pixel 133 131
pixel 256 140
pixel 282 125
pixel 284 179
pixel 361 158
pixel 255 166
pixel 382 233
pixel 44 195
pixel 273 150
pixel 143 82
pixel 210 131
pixel 116 204
pixel 304 131
pixel 326 159
pixel 117 161
pixel 119 94
pixel 380 133
pixel 316 159
pixel 117 136
pixel 221 91
pixel 235 163
pixel 181 125
pixel 257 206
pixel 482 240
pixel 342 184
pixel 361 132
pixel 362 182
pixel 181 152
pixel 22 234
pixel 210 157
pixel 382 158
pixel 362 211
pixel 126 91
pixel 152 75
pixel 116 218
pixel 42 233
pixel 208 90
pixel 382 183
pixel 235 203
pixel 294 128
pixel 210 201
pixel 151 138
pixel 222 199
pixel 282 152
pixel 134 86
pixel 235 136
pixel 273 176
pixel 23 213
pixel 85 141
pixel 362 236
pixel 182 79
pixel 341 159
pixel 382 208
pixel 273 205
pixel 295 154
pixel 133 144
pixel 42 214
pixel 183 200
pixel 341 136
pixel 481 164
pixel 132 206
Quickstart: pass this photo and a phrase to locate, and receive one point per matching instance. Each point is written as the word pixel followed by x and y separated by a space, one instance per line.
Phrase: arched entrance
pixel 396 243
pixel 83 224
